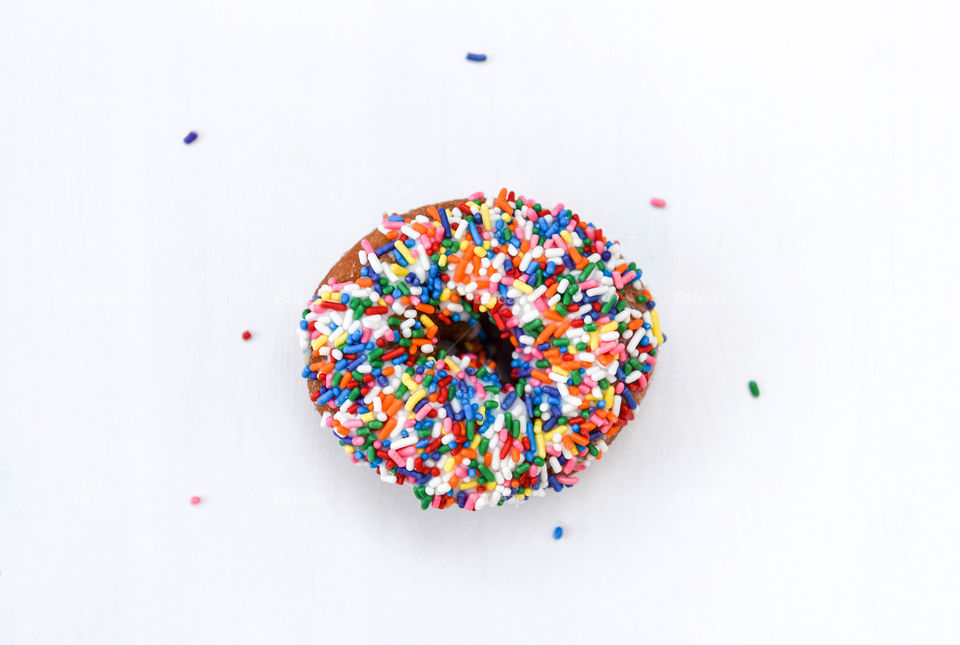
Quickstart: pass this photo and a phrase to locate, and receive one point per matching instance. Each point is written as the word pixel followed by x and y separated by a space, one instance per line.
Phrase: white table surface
pixel 807 152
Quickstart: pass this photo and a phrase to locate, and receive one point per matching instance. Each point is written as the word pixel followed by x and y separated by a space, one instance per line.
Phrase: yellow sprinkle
pixel 442 262
pixel 413 400
pixel 506 218
pixel 485 216
pixel 565 236
pixel 608 397
pixel 425 319
pixel 594 340
pixel 486 244
pixel 318 341
pixel 463 245
pixel 368 417
pixel 541 452
pixel 476 441
pixel 468 485
pixel 523 286
pixel 444 295
pixel 561 372
pixel 448 465
pixel 655 324
pixel 407 380
pixel 348 450
pixel 479 251
pixel 341 338
pixel 399 270
pixel 404 251
pixel 491 485
pixel 610 326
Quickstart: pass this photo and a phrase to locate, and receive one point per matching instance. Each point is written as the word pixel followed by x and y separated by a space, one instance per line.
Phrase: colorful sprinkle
pixel 190 138
pixel 246 335
pixel 479 58
pixel 403 361
pixel 658 203
pixel 558 533
pixel 194 500
pixel 754 389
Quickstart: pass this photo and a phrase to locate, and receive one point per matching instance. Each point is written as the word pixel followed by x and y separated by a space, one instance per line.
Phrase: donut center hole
pixel 481 337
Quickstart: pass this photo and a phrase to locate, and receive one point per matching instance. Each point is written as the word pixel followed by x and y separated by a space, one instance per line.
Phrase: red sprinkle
pixel 659 203
pixel 194 500
pixel 246 335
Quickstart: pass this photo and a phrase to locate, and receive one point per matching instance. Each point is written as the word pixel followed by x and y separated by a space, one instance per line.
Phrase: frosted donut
pixel 482 350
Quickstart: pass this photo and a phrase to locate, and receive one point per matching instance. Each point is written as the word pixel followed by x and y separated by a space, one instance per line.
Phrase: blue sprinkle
pixel 558 533
pixel 192 136
pixel 478 58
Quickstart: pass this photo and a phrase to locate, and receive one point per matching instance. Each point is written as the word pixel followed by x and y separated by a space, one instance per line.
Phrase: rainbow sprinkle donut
pixel 481 350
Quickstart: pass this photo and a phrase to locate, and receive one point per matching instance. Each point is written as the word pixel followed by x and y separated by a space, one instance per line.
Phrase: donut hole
pixel 483 338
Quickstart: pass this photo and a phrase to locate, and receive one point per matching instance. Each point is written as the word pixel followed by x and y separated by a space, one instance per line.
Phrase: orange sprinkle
pixel 562 328
pixel 550 314
pixel 432 212
pixel 504 206
pixel 365 282
pixel 576 437
pixel 540 376
pixel 546 333
pixel 394 407
pixel 425 308
pixel 387 429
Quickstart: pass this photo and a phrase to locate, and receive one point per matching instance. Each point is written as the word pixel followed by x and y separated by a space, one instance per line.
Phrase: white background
pixel 808 152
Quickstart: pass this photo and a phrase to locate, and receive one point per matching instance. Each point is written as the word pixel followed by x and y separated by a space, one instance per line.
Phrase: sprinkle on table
pixel 194 500
pixel 754 389
pixel 558 533
pixel 658 202
pixel 190 138
pixel 246 335
pixel 477 58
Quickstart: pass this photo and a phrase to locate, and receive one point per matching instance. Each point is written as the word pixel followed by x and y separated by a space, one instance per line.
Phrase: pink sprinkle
pixel 658 203
pixel 246 335
pixel 194 500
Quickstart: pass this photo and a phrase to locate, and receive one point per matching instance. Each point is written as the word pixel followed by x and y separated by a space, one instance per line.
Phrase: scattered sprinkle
pixel 190 138
pixel 246 335
pixel 754 389
pixel 479 58
pixel 558 533
pixel 658 203
pixel 194 500
pixel 418 406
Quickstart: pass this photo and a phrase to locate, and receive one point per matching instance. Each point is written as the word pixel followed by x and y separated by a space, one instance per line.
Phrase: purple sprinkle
pixel 190 138
pixel 479 58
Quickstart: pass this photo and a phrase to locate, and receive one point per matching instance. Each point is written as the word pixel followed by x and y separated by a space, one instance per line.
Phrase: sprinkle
pixel 194 500
pixel 190 138
pixel 754 389
pixel 246 335
pixel 478 58
pixel 658 203
pixel 558 533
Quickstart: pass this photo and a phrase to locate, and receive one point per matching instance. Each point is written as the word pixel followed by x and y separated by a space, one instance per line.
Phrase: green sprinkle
pixel 754 389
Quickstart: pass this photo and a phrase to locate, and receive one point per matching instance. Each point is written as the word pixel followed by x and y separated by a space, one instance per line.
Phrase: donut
pixel 483 350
